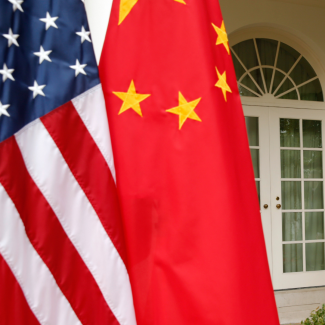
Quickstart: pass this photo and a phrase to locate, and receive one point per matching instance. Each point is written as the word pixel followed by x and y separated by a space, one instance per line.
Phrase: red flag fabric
pixel 196 252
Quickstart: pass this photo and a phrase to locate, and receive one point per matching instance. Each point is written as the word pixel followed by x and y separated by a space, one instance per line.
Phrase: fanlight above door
pixel 266 66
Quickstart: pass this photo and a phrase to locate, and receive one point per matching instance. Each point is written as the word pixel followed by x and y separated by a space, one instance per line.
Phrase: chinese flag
pixel 196 251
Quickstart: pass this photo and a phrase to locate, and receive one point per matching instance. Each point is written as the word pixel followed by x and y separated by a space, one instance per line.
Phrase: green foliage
pixel 317 317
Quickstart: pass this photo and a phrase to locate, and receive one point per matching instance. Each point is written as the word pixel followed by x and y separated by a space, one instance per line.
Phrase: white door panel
pixel 298 225
pixel 288 164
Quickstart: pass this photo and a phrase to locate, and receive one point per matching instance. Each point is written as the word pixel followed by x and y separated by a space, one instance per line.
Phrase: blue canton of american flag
pixel 62 253
pixel 46 59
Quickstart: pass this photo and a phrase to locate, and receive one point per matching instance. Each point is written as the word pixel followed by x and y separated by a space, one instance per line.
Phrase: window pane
pixel 278 77
pixel 258 191
pixel 257 75
pixel 292 258
pixel 267 50
pixel 291 195
pixel 315 256
pixel 247 53
pixel 302 72
pixel 292 95
pixel 268 77
pixel 252 130
pixel 289 133
pixel 290 164
pixel 238 67
pixel 314 195
pixel 244 92
pixel 314 225
pixel 313 164
pixel 312 134
pixel 287 84
pixel 312 91
pixel 248 82
pixel 292 226
pixel 255 153
pixel 287 57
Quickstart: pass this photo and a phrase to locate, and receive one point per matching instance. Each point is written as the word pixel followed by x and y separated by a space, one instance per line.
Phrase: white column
pixel 98 12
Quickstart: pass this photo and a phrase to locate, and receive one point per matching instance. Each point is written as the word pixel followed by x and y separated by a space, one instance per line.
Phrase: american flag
pixel 62 255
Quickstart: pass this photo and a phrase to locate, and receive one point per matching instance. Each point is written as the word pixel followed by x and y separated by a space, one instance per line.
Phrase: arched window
pixel 265 66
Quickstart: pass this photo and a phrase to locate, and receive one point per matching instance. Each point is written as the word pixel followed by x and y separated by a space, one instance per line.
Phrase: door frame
pixel 294 279
pixel 269 154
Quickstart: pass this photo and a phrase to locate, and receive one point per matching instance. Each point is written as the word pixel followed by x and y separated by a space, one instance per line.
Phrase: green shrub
pixel 317 317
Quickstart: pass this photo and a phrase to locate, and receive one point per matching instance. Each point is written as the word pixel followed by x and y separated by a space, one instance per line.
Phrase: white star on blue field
pixel 46 59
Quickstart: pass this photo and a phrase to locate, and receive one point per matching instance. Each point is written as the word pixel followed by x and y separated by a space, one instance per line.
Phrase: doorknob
pixel 278 206
pixel 265 206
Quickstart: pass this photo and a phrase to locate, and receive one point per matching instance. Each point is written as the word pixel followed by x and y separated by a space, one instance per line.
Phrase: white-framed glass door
pixel 297 197
pixel 257 124
pixel 287 153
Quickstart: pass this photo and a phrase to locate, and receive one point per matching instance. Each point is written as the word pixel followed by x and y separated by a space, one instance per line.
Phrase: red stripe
pixel 14 308
pixel 82 155
pixel 50 241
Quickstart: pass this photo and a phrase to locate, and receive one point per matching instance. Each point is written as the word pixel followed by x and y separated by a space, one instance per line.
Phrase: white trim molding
pixel 310 3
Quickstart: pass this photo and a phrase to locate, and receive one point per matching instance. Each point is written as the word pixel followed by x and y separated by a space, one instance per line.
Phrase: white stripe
pixel 43 295
pixel 92 110
pixel 53 177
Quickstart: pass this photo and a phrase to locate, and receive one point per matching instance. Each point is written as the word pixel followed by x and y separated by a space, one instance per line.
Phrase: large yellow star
pixel 181 1
pixel 222 83
pixel 125 8
pixel 185 110
pixel 131 99
pixel 222 36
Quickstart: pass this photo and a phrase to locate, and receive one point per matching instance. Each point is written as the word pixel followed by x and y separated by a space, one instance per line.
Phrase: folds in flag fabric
pixel 62 250
pixel 196 252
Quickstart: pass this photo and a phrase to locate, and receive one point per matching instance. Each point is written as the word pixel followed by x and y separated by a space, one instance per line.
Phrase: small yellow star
pixel 222 36
pixel 222 83
pixel 181 1
pixel 185 110
pixel 131 99
pixel 125 8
